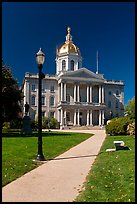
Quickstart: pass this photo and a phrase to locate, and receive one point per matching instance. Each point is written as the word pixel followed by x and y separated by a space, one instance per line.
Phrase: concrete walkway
pixel 58 180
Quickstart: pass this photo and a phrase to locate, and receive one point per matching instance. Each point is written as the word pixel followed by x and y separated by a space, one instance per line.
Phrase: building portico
pixel 82 94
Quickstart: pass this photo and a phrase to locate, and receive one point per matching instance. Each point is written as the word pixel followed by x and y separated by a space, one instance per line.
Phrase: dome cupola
pixel 68 47
pixel 68 56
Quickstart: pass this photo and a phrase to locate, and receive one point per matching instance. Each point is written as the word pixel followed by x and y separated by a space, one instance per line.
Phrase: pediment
pixel 82 73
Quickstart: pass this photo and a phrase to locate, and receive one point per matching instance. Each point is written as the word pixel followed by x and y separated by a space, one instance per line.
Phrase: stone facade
pixel 75 96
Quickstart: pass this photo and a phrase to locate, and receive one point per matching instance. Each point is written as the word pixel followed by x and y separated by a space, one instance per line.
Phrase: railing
pixel 80 103
pixel 114 81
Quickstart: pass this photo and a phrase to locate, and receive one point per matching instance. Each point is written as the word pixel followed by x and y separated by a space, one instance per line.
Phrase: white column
pixel 99 117
pixel 91 117
pixel 87 94
pixel 65 117
pixel 75 117
pixel 74 92
pixel 64 91
pixel 102 117
pixel 61 91
pixel 87 117
pixel 78 117
pixel 59 116
pixel 27 92
pixel 61 121
pixel 90 94
pixel 99 93
pixel 78 93
pixel 102 94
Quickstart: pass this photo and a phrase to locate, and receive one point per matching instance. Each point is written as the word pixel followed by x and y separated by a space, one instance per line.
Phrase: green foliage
pixel 34 124
pixel 16 123
pixel 11 95
pixel 6 126
pixel 118 126
pixel 130 108
pixel 53 123
pixel 46 123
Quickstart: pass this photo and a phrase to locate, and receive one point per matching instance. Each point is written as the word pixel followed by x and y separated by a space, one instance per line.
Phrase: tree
pixel 11 95
pixel 130 108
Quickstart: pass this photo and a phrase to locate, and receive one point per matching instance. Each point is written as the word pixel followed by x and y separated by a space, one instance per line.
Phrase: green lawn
pixel 18 151
pixel 112 177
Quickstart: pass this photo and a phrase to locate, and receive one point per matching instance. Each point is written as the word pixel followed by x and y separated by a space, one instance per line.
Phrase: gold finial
pixel 68 30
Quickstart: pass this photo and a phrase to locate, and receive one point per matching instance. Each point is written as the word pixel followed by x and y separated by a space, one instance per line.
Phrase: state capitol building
pixel 75 96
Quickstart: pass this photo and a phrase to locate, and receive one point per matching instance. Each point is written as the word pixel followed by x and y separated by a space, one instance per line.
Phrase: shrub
pixel 118 126
pixel 52 123
pixel 131 129
pixel 45 123
pixel 34 124
pixel 6 126
pixel 16 123
pixel 49 123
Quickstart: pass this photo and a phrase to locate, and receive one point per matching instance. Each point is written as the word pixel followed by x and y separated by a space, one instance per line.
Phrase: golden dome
pixel 68 47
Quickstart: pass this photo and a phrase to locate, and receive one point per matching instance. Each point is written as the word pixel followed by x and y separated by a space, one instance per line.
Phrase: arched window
pixel 116 104
pixel 43 100
pixel 52 101
pixel 33 99
pixel 63 65
pixel 117 93
pixel 109 93
pixel 72 64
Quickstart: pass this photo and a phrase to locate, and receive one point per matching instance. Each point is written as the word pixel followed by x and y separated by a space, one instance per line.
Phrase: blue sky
pixel 108 27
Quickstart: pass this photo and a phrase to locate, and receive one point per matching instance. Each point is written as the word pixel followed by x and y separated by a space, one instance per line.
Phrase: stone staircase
pixel 83 128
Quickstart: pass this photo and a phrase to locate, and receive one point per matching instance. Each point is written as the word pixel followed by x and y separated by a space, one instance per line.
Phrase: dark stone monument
pixel 26 128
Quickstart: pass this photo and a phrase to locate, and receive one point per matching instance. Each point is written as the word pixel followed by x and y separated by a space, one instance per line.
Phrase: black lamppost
pixel 40 57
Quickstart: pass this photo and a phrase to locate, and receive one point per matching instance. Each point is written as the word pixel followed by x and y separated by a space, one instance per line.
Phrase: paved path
pixel 58 180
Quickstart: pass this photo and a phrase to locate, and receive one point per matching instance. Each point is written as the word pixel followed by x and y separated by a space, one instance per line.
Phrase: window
pixel 52 101
pixel 43 113
pixel 43 100
pixel 72 64
pixel 33 115
pixel 51 114
pixel 116 104
pixel 33 87
pixel 117 93
pixel 63 65
pixel 109 93
pixel 109 104
pixel 33 98
pixel 52 89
